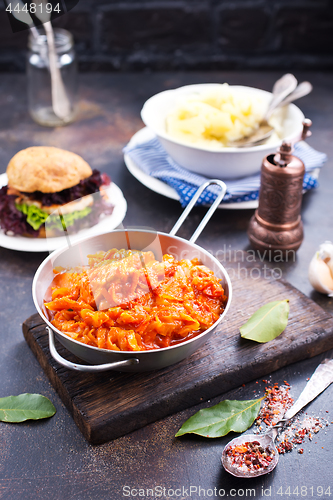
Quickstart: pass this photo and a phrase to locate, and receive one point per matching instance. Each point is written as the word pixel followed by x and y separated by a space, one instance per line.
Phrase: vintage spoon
pixel 301 90
pixel 60 103
pixel 281 89
pixel 265 130
pixel 281 97
pixel 320 380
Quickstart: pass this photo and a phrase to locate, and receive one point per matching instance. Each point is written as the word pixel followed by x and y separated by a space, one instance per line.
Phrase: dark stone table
pixel 50 459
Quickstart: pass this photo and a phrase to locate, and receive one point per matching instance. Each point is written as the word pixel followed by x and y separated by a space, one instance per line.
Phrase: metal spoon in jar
pixel 60 102
pixel 320 380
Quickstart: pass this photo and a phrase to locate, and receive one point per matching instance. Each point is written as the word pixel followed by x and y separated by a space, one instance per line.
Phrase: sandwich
pixel 47 184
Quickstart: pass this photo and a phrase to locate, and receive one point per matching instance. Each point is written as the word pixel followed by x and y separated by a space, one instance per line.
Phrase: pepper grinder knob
pixel 306 126
pixel 283 155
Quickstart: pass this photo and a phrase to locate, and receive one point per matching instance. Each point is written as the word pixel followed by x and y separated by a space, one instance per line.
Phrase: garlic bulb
pixel 321 269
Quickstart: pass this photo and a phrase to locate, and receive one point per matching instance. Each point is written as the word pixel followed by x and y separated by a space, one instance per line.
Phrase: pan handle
pixel 85 368
pixel 208 214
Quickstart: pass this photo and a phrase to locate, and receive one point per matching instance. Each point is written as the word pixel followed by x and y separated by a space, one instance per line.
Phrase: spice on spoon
pixel 275 404
pixel 250 456
pixel 236 458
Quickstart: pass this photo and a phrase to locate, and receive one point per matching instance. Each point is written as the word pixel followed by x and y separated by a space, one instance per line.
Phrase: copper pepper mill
pixel 276 225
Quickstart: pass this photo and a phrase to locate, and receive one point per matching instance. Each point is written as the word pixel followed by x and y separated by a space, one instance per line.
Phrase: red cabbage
pixel 12 219
pixel 87 186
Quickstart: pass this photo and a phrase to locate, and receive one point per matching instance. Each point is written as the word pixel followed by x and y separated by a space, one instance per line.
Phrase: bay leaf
pixel 218 420
pixel 267 323
pixel 25 407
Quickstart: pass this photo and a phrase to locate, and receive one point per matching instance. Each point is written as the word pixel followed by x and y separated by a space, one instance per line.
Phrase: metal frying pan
pixel 76 255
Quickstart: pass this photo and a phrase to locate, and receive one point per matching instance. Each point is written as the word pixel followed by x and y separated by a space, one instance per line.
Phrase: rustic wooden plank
pixel 108 405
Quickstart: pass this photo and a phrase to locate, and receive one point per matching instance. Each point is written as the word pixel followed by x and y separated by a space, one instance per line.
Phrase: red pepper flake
pixel 285 446
pixel 301 451
pixel 276 403
pixel 249 456
pixel 297 431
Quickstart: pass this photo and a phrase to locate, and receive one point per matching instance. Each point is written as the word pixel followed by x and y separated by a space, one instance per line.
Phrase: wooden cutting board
pixel 110 404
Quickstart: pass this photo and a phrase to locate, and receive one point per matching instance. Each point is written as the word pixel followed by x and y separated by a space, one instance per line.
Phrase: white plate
pixel 161 187
pixel 106 224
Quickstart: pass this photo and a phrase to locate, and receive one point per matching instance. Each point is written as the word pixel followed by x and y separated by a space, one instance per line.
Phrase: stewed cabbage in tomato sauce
pixel 127 300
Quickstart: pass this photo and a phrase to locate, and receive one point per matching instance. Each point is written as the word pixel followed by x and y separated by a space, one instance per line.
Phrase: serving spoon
pixel 281 89
pixel 320 380
pixel 265 130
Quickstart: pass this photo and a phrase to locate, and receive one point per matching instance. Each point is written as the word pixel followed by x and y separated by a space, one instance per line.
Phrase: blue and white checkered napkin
pixel 152 159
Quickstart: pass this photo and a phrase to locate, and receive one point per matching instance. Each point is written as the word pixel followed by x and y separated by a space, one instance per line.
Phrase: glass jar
pixel 40 103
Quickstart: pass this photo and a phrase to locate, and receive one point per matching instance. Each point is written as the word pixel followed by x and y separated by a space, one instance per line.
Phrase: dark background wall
pixel 189 34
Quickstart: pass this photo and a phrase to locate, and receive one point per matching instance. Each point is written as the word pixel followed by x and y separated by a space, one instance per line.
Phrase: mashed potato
pixel 212 118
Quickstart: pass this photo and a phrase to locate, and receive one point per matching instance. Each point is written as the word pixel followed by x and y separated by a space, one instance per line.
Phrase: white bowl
pixel 227 163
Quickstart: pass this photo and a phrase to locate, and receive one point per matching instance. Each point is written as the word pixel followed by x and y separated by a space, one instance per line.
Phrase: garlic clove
pixel 321 269
pixel 326 254
pixel 329 262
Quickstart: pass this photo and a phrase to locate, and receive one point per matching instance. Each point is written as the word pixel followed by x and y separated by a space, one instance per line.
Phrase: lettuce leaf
pixel 36 217
pixel 66 220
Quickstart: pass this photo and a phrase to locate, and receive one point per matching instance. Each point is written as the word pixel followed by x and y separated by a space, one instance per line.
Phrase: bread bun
pixel 46 169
